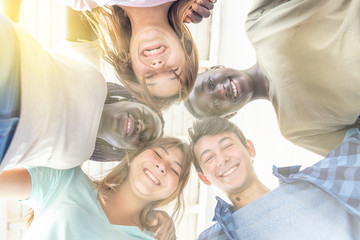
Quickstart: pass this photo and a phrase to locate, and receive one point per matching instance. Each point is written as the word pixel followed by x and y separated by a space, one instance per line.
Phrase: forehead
pixel 212 142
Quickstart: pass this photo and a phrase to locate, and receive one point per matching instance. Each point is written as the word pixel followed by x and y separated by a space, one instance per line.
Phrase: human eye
pixel 144 115
pixel 149 76
pixel 176 71
pixel 208 159
pixel 175 171
pixel 210 84
pixel 141 138
pixel 157 154
pixel 228 145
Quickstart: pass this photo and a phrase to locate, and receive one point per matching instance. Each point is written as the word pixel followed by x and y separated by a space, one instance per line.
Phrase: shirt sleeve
pixel 43 181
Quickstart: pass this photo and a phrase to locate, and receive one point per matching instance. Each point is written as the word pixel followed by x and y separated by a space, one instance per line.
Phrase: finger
pixel 201 10
pixel 195 18
pixel 206 3
pixel 154 223
pixel 187 19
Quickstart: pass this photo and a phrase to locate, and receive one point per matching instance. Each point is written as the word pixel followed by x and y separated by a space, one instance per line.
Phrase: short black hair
pixel 211 126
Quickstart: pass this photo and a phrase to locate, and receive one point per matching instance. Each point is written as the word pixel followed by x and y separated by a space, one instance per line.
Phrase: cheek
pixel 209 170
pixel 200 102
pixel 226 106
pixel 173 183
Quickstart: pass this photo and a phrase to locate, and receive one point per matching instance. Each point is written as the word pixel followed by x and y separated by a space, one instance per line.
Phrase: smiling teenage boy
pixel 319 202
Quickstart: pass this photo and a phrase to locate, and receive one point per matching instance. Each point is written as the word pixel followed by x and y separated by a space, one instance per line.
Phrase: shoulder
pixel 42 173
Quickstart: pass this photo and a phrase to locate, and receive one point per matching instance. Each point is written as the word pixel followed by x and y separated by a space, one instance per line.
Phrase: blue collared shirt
pixel 338 174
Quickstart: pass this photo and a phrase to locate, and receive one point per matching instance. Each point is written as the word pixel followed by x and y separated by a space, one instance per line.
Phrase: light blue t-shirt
pixel 66 208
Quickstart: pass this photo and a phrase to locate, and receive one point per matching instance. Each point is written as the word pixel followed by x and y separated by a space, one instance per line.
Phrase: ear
pixel 204 179
pixel 217 67
pixel 230 115
pixel 251 149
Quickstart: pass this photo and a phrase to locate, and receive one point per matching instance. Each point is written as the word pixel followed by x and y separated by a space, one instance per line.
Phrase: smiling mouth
pixel 128 129
pixel 154 51
pixel 152 177
pixel 230 171
pixel 234 89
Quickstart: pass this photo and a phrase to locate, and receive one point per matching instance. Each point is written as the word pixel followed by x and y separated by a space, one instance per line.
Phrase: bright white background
pixel 221 40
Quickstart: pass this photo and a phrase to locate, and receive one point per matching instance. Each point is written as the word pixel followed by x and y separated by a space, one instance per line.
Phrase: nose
pixel 222 161
pixel 161 167
pixel 220 91
pixel 157 63
pixel 140 126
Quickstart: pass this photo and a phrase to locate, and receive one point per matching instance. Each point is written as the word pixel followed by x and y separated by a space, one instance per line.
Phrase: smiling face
pixel 221 91
pixel 158 58
pixel 129 125
pixel 225 162
pixel 155 173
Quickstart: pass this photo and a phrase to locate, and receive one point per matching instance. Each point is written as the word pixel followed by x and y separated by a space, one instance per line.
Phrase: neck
pixel 122 207
pixel 144 16
pixel 261 82
pixel 253 192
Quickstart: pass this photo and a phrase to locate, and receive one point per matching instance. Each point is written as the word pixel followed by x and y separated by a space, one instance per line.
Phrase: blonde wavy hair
pixel 120 173
pixel 113 22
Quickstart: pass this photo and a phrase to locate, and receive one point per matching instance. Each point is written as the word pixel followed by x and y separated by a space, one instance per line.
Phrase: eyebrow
pixel 167 153
pixel 220 141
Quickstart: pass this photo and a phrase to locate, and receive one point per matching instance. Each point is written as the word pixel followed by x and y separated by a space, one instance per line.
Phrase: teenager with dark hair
pixel 319 202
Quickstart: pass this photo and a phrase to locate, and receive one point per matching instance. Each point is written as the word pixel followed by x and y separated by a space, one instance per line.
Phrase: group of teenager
pixel 57 111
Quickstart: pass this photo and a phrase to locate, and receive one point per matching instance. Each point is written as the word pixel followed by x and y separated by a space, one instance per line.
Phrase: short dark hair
pixel 211 126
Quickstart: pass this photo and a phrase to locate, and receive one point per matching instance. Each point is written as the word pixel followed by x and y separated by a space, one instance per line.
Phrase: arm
pixel 15 184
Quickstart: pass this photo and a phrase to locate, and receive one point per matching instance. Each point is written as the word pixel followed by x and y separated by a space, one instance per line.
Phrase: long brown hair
pixel 113 22
pixel 120 173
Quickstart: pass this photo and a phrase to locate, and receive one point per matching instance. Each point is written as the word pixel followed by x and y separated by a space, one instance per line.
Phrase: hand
pixel 199 9
pixel 161 224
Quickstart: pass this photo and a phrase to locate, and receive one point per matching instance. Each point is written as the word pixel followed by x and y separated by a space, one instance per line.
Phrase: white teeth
pixel 155 180
pixel 128 125
pixel 154 51
pixel 231 170
pixel 233 88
